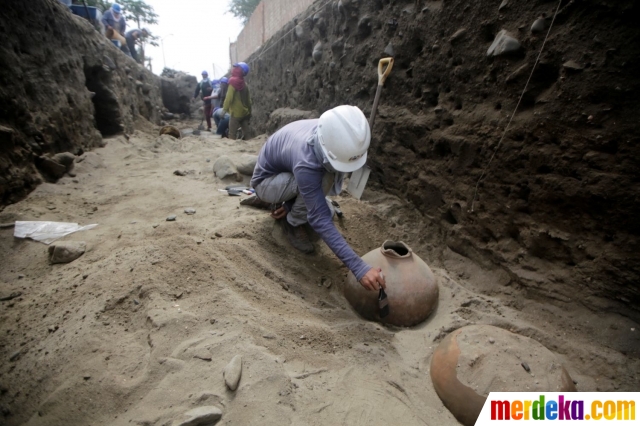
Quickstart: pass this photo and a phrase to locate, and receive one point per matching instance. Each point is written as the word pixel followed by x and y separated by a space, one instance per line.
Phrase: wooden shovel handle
pixel 383 72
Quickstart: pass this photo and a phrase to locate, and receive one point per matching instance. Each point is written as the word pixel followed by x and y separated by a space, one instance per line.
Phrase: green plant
pixel 243 9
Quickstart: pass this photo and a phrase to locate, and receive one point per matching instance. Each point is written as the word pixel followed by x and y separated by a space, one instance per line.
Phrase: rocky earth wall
pixel 62 85
pixel 558 207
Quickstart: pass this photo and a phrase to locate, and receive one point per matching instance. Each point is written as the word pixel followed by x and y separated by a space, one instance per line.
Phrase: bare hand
pixel 279 213
pixel 373 280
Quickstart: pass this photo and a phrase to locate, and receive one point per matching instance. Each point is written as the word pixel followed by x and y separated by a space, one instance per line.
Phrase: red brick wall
pixel 268 18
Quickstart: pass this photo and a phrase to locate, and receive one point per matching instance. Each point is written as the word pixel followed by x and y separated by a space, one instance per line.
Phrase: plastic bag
pixel 47 232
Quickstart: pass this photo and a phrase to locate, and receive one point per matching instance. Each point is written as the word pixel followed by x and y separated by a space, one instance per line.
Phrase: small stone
pixel 504 4
pixel 86 377
pixel 269 336
pixel 438 109
pixel 317 56
pixel 171 218
pixel 180 173
pixel 65 252
pixel 247 163
pixel 233 372
pixel 217 234
pixel 155 226
pixel 457 35
pixel 202 416
pixel 14 356
pixel 526 367
pixel 208 160
pixel 573 66
pixel 224 167
pixel 190 210
pixel 20 276
pixel 205 356
pixel 136 302
pixel 491 340
pixel 84 276
pixel 389 51
pixel 538 26
pixel 11 296
pixel 503 44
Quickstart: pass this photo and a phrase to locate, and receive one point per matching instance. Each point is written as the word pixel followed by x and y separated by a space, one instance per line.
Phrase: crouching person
pixel 303 162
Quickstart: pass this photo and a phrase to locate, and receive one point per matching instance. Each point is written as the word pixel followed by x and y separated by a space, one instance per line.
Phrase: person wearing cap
pixel 205 88
pixel 114 23
pixel 132 36
pixel 302 163
pixel 238 101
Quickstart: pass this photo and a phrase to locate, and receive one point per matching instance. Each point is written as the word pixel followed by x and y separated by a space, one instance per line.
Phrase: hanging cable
pixel 486 169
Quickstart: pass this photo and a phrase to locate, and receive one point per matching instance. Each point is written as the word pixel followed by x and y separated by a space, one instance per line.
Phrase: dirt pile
pixel 62 85
pixel 558 209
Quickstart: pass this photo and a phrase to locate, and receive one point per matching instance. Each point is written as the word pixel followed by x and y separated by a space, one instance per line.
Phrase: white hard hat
pixel 344 136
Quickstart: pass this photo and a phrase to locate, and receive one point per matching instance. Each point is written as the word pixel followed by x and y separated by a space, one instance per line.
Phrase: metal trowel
pixel 359 178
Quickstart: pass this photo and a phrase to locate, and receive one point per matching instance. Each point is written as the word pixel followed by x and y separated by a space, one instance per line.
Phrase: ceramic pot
pixel 412 289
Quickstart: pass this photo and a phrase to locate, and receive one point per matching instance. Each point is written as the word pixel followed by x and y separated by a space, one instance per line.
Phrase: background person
pixel 132 37
pixel 238 101
pixel 221 119
pixel 114 23
pixel 205 88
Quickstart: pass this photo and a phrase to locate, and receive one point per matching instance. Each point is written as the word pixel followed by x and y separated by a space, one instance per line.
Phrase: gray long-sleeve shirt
pixel 287 151
pixel 109 20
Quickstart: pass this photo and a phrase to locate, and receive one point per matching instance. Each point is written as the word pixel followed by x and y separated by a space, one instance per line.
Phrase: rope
pixel 289 32
pixel 486 169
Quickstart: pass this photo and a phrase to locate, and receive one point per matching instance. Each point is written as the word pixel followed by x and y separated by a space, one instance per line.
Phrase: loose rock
pixel 190 210
pixel 171 218
pixel 573 66
pixel 457 35
pixel 247 164
pixel 503 44
pixel 232 373
pixel 51 168
pixel 66 252
pixel 538 26
pixel 224 167
pixel 202 416
pixel 389 51
pixel 317 53
pixel 503 5
pixel 203 355
pixel 11 296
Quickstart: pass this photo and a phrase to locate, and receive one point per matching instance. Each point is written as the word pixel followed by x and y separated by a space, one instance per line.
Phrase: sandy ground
pixel 138 329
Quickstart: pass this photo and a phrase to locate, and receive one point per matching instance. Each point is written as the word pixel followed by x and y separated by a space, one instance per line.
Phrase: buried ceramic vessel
pixel 412 290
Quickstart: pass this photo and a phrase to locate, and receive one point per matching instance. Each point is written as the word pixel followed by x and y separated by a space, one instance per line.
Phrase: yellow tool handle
pixel 383 72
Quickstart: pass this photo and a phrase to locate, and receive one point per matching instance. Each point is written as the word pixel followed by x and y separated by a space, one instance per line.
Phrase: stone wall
pixel 268 18
pixel 62 87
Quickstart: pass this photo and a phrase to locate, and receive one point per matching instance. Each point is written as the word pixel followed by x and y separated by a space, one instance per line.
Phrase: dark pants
pixel 208 109
pixel 223 126
pixel 131 44
pixel 240 123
